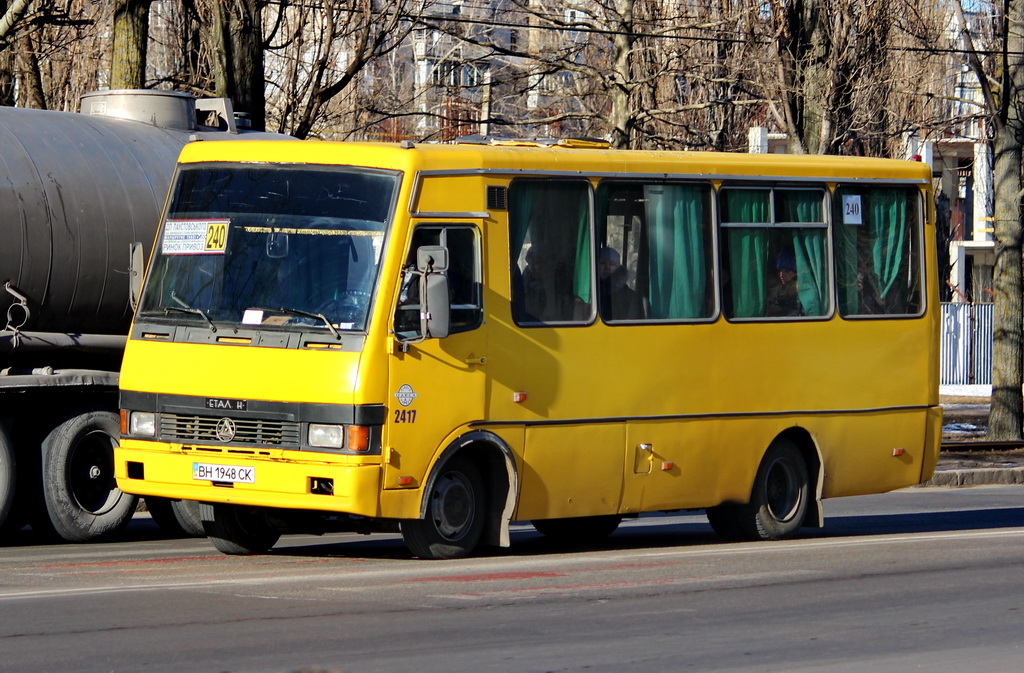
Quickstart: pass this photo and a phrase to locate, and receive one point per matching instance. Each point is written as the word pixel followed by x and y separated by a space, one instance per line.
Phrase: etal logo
pixel 405 395
pixel 221 403
pixel 226 429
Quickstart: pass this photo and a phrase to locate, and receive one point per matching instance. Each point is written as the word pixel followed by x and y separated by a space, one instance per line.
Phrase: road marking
pixel 498 568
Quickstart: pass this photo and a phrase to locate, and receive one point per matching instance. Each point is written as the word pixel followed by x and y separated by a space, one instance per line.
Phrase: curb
pixel 976 477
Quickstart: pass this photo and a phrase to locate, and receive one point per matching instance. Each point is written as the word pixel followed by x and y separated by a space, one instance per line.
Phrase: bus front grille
pixel 244 431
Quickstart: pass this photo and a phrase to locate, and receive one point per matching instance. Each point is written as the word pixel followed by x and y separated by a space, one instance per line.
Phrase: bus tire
pixel 8 477
pixel 454 520
pixel 578 530
pixel 81 497
pixel 176 518
pixel 238 530
pixel 778 500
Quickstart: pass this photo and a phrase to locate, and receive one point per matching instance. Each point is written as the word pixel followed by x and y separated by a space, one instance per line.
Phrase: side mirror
pixel 136 269
pixel 435 301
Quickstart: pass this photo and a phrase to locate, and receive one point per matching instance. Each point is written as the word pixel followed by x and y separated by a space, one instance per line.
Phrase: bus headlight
pixel 142 424
pixel 326 436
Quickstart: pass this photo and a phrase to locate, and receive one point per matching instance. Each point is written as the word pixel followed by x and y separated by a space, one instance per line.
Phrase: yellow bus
pixel 444 339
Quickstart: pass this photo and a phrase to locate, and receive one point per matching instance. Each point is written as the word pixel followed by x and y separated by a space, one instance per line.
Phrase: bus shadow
pixel 667 531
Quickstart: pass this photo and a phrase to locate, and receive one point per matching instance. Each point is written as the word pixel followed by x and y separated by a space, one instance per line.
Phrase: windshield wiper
pixel 185 308
pixel 309 314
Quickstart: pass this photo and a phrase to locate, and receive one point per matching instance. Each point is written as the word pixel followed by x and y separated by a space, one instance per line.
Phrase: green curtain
pixel 582 277
pixel 887 226
pixel 811 253
pixel 677 259
pixel 748 250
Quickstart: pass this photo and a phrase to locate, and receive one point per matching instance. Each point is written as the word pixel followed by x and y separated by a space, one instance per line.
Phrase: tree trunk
pixel 237 43
pixel 1006 417
pixel 129 44
pixel 30 91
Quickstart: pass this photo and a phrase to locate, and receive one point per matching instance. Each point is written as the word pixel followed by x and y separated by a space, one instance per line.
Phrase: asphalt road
pixel 922 579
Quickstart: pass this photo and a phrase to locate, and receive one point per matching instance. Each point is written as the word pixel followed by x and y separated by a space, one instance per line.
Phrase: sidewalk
pixel 966 416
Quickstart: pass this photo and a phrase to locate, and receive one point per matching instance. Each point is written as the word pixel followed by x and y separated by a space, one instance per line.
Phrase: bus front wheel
pixel 778 501
pixel 455 514
pixel 238 530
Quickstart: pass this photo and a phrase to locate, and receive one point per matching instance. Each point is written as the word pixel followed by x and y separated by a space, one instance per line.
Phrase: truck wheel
pixel 455 515
pixel 80 493
pixel 176 518
pixel 238 530
pixel 778 501
pixel 8 477
pixel 578 530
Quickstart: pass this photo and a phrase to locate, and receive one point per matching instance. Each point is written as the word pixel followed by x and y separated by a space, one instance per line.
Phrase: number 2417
pixel 405 415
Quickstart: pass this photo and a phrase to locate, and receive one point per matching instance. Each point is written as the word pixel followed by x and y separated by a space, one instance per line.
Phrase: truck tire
pixel 8 477
pixel 238 530
pixel 81 496
pixel 176 518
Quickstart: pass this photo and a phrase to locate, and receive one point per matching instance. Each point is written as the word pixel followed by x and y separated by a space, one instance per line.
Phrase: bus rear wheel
pixel 455 514
pixel 579 530
pixel 238 530
pixel 778 501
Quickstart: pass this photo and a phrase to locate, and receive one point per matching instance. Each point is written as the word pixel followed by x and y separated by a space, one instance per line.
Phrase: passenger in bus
pixel 783 298
pixel 618 300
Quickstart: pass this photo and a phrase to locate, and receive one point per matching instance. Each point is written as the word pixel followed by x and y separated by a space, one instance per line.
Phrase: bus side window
pixel 551 252
pixel 775 252
pixel 878 250
pixel 464 279
pixel 655 261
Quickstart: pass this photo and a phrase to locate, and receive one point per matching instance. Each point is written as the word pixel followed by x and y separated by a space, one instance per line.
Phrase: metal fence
pixel 966 344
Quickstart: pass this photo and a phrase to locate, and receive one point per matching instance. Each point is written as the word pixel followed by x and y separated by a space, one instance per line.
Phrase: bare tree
pixel 324 48
pixel 1000 73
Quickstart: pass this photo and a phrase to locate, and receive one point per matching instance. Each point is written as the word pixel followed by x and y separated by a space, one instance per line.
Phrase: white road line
pixel 426 571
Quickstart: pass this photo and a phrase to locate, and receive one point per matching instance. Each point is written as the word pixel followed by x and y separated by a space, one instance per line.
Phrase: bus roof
pixel 533 159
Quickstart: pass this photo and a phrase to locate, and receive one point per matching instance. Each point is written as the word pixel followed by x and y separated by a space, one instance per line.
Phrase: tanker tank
pixel 77 190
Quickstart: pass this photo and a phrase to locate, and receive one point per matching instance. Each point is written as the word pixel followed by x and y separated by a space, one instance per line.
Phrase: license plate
pixel 229 473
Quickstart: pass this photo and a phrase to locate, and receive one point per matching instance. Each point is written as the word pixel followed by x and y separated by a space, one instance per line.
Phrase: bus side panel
pixel 571 470
pixel 672 464
pixel 873 452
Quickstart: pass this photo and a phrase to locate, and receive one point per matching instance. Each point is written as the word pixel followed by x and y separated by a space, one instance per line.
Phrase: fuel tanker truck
pixel 77 192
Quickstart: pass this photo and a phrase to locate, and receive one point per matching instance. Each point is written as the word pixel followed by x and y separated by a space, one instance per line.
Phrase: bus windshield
pixel 271 246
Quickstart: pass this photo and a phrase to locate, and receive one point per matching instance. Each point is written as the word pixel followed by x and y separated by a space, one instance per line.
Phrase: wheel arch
pixel 496 462
pixel 809 450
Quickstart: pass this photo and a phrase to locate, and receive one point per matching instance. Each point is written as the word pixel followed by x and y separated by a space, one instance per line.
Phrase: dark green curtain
pixel 811 253
pixel 556 215
pixel 887 226
pixel 677 258
pixel 582 278
pixel 748 250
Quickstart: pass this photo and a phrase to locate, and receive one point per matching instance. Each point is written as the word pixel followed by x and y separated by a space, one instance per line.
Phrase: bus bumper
pixel 144 469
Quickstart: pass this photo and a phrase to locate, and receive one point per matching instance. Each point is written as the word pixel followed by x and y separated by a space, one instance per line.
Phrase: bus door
pixel 435 384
